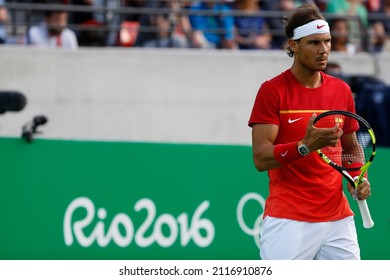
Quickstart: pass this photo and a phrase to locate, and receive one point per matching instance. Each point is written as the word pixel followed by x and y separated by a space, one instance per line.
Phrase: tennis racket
pixel 353 153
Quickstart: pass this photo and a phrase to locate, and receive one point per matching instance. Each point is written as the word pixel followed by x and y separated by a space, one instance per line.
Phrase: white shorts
pixel 284 239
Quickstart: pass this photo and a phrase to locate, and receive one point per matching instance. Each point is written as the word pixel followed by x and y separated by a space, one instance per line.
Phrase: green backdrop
pixel 121 200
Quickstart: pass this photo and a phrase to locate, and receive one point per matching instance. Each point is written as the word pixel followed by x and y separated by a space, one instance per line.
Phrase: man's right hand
pixel 317 138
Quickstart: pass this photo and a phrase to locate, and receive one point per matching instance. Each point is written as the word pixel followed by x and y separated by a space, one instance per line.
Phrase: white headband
pixel 318 26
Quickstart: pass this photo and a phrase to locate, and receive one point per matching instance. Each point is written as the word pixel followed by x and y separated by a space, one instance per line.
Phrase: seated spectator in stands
pixel 380 28
pixel 251 30
pixel 339 29
pixel 333 68
pixel 112 20
pixel 212 30
pixel 53 32
pixel 357 16
pixel 163 30
pixel 4 17
pixel 275 24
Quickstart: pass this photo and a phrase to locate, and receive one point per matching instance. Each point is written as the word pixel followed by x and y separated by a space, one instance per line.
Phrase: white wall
pixel 154 95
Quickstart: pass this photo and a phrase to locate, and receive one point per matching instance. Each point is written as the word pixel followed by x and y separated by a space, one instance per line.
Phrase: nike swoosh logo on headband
pixel 320 26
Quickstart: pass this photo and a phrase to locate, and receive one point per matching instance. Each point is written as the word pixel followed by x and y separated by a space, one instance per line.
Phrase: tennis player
pixel 306 216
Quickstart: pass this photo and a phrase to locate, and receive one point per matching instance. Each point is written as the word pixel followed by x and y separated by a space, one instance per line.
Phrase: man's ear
pixel 293 45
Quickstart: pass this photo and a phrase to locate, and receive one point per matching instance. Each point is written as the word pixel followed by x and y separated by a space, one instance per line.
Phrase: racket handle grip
pixel 365 213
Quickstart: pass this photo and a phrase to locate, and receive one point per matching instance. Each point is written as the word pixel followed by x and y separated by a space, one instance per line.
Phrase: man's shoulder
pixel 278 79
pixel 338 80
pixel 69 31
pixel 69 38
pixel 38 27
pixel 39 30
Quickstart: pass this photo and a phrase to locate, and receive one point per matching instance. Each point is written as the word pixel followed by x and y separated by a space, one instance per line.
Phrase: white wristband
pixel 357 177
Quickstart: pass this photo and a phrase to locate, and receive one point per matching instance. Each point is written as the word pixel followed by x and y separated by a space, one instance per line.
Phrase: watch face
pixel 303 150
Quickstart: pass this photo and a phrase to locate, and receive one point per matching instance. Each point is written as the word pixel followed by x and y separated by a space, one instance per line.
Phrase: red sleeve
pixel 266 107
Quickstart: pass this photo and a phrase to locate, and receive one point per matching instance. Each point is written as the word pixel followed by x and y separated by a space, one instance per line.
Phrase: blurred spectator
pixel 112 20
pixel 251 30
pixel 165 30
pixel 212 30
pixel 373 5
pixel 127 34
pixel 86 21
pixel 357 16
pixel 380 28
pixel 4 17
pixel 276 24
pixel 129 26
pixel 339 29
pixel 372 100
pixel 372 103
pixel 53 32
pixel 333 68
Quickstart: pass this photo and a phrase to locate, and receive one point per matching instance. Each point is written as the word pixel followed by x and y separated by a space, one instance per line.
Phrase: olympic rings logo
pixel 252 230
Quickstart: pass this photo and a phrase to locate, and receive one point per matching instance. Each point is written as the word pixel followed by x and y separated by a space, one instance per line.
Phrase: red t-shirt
pixel 308 189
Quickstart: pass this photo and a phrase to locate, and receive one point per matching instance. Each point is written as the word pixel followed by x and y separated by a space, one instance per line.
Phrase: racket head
pixel 355 150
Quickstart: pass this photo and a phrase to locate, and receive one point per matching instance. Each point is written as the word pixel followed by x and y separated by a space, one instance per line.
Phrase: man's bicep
pixel 264 134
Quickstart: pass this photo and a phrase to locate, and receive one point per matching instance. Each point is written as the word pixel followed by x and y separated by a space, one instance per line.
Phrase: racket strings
pixel 346 153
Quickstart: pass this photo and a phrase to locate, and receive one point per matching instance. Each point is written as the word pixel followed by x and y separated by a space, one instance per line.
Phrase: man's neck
pixel 307 78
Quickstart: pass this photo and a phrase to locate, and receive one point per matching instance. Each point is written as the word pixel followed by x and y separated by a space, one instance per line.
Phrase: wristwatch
pixel 303 149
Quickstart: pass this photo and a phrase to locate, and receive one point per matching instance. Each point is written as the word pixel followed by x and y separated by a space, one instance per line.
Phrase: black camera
pixel 31 128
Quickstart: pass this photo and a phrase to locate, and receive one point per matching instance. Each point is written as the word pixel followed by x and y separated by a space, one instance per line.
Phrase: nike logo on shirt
pixel 284 154
pixel 294 120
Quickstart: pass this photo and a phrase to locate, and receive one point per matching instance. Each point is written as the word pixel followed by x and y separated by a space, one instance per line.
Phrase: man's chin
pixel 322 65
